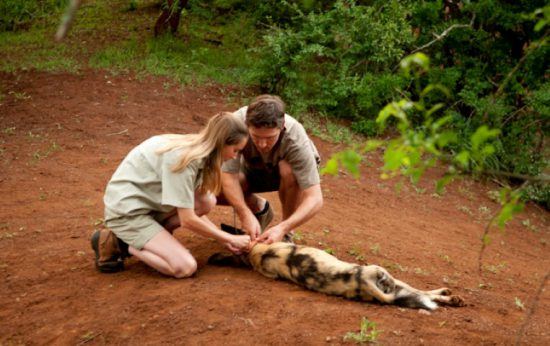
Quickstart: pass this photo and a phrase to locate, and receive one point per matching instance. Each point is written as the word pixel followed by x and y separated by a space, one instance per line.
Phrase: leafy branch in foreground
pixel 426 138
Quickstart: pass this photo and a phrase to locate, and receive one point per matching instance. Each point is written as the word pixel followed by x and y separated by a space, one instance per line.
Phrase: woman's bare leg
pixel 167 255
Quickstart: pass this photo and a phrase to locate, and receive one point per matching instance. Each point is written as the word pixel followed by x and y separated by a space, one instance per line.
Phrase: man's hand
pixel 251 226
pixel 238 244
pixel 272 235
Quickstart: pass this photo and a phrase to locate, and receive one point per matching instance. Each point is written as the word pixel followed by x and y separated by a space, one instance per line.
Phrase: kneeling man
pixel 278 157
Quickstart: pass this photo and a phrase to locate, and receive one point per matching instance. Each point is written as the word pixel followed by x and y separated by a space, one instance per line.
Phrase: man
pixel 278 157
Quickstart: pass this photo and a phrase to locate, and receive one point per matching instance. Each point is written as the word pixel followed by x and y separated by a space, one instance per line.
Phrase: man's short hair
pixel 266 111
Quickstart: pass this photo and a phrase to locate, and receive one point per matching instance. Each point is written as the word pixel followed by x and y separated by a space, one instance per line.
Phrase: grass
pixel 420 271
pixel 375 249
pixel 445 257
pixel 328 130
pixel 367 333
pixel 208 49
pixel 330 251
pixel 394 266
pixel 519 304
pixel 35 49
pixel 356 253
pixel 40 155
pixel 527 224
pixel 297 236
pixel 9 130
pixel 495 268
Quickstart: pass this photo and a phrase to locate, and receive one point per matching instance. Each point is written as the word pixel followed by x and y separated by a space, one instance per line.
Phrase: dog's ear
pixel 231 230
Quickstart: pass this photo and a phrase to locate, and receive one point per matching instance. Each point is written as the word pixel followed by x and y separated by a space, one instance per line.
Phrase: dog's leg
pixel 449 300
pixel 384 288
pixel 376 283
pixel 444 291
pixel 440 295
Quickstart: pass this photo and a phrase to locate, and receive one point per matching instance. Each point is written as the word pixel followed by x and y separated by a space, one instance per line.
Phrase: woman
pixel 166 181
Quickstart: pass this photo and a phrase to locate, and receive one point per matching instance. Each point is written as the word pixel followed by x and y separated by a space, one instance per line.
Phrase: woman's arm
pixel 203 226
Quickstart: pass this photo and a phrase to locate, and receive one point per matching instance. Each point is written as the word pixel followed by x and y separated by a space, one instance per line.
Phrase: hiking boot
pixel 265 216
pixel 108 254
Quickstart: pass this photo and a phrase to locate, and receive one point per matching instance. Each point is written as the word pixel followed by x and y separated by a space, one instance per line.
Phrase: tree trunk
pixel 170 17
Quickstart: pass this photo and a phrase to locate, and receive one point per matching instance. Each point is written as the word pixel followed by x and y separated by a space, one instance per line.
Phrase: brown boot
pixel 108 255
pixel 265 216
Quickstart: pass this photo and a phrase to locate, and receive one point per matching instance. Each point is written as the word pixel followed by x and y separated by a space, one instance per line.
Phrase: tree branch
pixel 532 309
pixel 445 33
pixel 539 178
pixel 67 20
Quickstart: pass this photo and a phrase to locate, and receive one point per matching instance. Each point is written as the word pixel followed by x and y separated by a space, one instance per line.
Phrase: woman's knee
pixel 184 267
pixel 204 203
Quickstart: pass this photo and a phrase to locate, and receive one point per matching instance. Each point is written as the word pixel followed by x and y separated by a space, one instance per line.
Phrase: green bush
pixel 342 60
pixel 330 59
pixel 16 14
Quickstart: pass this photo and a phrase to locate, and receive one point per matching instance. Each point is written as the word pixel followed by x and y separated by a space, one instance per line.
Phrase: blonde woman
pixel 165 182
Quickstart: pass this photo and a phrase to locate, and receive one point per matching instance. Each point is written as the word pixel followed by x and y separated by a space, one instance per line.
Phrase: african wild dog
pixel 319 271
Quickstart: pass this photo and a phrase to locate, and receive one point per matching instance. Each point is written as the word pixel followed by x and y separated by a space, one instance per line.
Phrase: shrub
pixel 17 14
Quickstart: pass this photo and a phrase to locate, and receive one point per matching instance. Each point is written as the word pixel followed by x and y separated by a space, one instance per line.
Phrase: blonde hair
pixel 222 129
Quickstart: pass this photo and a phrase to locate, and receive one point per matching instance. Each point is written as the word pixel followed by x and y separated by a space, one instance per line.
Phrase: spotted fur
pixel 319 271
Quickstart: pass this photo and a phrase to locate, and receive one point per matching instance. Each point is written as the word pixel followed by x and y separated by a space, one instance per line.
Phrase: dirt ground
pixel 62 136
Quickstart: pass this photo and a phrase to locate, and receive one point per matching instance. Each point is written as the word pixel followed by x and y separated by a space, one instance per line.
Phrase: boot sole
pixel 105 267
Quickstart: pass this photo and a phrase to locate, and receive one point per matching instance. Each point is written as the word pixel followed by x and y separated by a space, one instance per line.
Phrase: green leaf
pixel 441 121
pixel 441 183
pixel 435 87
pixel 350 159
pixel 445 138
pixel 416 174
pixel 331 166
pixel 463 158
pixel 488 150
pixel 393 158
pixel 486 240
pixel 385 113
pixel 508 211
pixel 372 144
pixel 482 134
pixel 420 60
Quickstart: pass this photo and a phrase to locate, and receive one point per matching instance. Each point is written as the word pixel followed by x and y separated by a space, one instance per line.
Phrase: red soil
pixel 61 138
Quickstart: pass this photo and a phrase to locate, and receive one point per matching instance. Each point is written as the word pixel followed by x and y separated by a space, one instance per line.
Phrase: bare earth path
pixel 62 136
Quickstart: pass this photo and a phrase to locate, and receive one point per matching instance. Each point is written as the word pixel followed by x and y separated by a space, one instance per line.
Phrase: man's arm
pixel 234 194
pixel 312 202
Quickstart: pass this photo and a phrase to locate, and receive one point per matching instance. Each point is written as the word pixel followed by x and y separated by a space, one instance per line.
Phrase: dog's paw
pixel 456 301
pixel 445 292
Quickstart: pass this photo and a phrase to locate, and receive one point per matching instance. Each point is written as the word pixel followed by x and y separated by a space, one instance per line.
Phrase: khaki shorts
pixel 136 230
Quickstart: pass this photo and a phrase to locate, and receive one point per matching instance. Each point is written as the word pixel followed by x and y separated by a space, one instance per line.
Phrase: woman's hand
pixel 238 243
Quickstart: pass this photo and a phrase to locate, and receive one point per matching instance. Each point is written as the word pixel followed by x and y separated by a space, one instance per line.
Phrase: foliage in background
pixel 425 136
pixel 328 58
pixel 494 65
pixel 17 14
pixel 337 61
